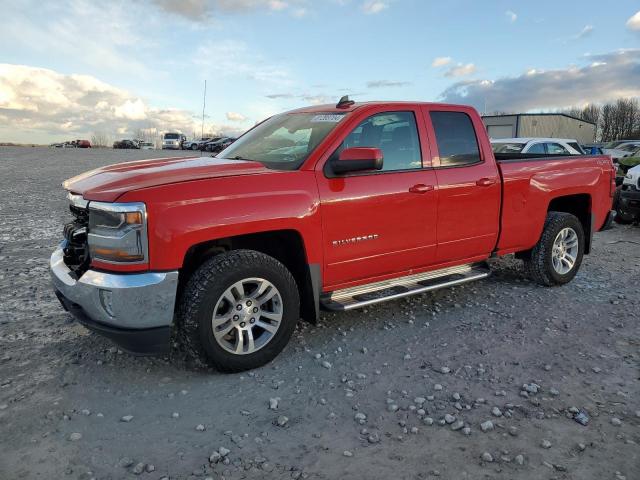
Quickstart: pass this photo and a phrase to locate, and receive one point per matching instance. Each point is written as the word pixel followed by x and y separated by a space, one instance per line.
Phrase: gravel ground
pixel 477 382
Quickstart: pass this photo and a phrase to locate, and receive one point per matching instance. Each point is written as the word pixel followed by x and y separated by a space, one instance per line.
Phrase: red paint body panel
pixel 358 228
pixel 106 184
pixel 529 188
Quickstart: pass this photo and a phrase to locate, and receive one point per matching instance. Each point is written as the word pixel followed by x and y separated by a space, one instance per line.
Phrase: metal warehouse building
pixel 551 125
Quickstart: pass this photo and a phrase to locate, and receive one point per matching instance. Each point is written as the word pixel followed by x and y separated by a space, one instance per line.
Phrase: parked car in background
pixel 197 143
pixel 220 145
pixel 72 144
pixel 625 163
pixel 126 144
pixel 173 141
pixel 541 146
pixel 340 206
pixel 210 144
pixel 627 198
pixel 620 148
pixel 147 146
pixel 593 149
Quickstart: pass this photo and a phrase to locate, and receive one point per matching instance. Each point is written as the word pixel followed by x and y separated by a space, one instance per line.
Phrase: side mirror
pixel 357 159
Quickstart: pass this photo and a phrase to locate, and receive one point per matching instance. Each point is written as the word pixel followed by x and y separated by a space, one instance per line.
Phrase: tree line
pixel 617 120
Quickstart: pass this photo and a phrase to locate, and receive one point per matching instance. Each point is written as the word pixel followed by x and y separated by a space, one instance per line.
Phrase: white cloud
pixel 40 105
pixel 585 32
pixel 203 10
pixel 233 58
pixel 441 61
pixel 386 84
pixel 511 16
pixel 371 7
pixel 235 117
pixel 605 77
pixel 460 70
pixel 634 22
pixel 105 36
pixel 130 110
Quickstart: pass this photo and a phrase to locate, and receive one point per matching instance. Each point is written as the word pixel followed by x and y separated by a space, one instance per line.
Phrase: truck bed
pixel 531 181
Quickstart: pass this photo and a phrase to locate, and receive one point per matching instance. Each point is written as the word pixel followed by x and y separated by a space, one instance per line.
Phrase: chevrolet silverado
pixel 335 207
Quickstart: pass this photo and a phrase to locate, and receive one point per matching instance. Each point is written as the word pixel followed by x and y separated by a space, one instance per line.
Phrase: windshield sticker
pixel 327 118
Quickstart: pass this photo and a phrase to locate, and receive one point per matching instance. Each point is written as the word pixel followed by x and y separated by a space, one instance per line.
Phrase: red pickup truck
pixel 337 206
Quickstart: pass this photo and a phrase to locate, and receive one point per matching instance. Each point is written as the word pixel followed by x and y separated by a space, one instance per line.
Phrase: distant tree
pixel 100 140
pixel 614 120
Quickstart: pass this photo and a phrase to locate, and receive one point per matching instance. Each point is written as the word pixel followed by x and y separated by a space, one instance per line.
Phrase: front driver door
pixel 379 223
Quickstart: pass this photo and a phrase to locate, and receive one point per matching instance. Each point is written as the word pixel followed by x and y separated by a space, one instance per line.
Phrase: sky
pixel 73 68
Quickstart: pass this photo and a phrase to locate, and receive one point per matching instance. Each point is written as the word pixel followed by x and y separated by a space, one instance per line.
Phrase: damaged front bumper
pixel 134 310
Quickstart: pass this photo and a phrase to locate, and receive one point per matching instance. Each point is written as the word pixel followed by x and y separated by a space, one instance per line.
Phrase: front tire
pixel 557 256
pixel 238 311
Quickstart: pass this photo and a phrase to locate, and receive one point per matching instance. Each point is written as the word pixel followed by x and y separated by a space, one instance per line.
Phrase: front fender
pixel 189 213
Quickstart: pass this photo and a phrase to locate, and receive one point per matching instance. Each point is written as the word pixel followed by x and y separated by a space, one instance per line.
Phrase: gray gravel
pixel 376 405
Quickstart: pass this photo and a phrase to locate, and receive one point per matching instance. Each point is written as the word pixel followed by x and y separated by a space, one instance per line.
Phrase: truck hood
pixel 106 184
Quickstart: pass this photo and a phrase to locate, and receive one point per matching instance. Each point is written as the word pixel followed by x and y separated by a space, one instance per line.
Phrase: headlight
pixel 629 176
pixel 118 232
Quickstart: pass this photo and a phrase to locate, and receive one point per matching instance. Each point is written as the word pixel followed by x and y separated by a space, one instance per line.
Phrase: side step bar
pixel 372 293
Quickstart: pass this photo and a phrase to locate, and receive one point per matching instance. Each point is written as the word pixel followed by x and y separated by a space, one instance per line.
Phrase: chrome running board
pixel 372 293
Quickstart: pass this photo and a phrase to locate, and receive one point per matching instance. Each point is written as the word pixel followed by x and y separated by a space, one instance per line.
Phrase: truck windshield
pixel 285 141
pixel 171 136
pixel 507 147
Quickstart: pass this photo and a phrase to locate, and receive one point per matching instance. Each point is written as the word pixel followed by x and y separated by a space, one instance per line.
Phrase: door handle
pixel 421 188
pixel 486 182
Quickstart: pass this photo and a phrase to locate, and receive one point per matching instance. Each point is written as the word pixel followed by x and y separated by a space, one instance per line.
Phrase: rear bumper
pixel 134 310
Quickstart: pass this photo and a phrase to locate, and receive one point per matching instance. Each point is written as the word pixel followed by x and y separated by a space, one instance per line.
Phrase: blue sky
pixel 74 67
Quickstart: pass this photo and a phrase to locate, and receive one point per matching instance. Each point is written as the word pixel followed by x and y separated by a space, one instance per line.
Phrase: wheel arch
pixel 578 205
pixel 287 246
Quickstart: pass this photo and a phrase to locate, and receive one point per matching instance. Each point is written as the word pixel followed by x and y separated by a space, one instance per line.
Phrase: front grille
pixel 76 249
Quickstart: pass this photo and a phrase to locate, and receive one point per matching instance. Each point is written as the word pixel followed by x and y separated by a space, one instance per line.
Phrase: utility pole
pixel 204 102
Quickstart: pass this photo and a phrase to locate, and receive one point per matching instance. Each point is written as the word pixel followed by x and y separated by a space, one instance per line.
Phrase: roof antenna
pixel 345 102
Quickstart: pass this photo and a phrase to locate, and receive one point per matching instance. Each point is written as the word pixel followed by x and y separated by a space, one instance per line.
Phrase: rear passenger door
pixel 468 184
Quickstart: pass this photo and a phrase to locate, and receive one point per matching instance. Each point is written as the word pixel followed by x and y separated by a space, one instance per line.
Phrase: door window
pixel 395 133
pixel 536 148
pixel 456 139
pixel 556 149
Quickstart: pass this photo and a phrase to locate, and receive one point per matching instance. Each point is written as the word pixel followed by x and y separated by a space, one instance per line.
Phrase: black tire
pixel 205 287
pixel 621 217
pixel 539 265
pixel 194 147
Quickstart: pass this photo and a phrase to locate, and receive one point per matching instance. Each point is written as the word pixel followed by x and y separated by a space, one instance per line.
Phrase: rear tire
pixel 222 296
pixel 557 256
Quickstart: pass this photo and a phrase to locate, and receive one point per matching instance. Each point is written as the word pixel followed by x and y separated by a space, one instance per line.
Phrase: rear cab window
pixel 456 139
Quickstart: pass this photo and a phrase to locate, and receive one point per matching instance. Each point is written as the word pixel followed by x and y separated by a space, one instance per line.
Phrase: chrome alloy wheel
pixel 565 250
pixel 247 316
